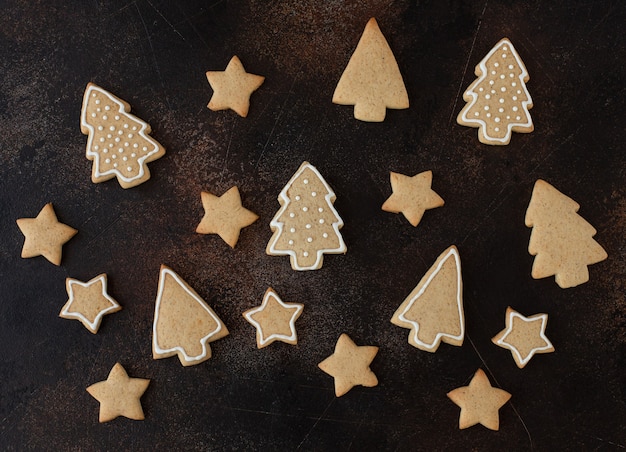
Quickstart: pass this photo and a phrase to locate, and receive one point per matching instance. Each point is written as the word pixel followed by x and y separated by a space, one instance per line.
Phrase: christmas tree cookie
pixel 118 142
pixel 561 240
pixel 183 323
pixel 498 101
pixel 307 225
pixel 372 81
pixel 433 311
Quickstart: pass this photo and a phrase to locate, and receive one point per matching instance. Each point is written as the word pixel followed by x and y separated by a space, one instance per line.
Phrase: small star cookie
pixel 119 395
pixel 479 402
pixel 88 302
pixel 412 196
pixel 524 336
pixel 225 216
pixel 349 365
pixel 233 87
pixel 45 235
pixel 274 320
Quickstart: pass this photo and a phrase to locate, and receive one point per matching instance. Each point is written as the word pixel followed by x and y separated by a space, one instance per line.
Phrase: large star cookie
pixel 118 143
pixel 45 235
pixel 88 302
pixel 233 87
pixel 350 365
pixel 524 336
pixel 119 395
pixel 274 320
pixel 479 402
pixel 225 216
pixel 412 196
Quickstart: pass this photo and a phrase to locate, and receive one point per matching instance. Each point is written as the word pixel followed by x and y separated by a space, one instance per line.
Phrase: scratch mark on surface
pixel 317 420
pixel 493 206
pixel 530 439
pixel 469 57
pixel 165 19
pixel 282 110
pixel 230 140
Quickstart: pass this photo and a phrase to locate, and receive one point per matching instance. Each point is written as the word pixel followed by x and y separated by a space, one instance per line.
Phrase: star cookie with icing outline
pixel 274 320
pixel 45 235
pixel 524 336
pixel 225 216
pixel 412 196
pixel 119 395
pixel 349 365
pixel 88 302
pixel 233 87
pixel 479 402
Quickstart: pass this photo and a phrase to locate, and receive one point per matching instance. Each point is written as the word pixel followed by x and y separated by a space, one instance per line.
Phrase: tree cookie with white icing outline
pixel 118 142
pixel 184 324
pixel 498 100
pixel 433 311
pixel 307 225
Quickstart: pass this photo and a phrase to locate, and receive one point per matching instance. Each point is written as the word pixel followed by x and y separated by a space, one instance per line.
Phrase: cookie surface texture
pixel 372 81
pixel 118 142
pixel 233 87
pixel 183 323
pixel 498 101
pixel 479 402
pixel 119 395
pixel 561 240
pixel 412 196
pixel 524 336
pixel 225 216
pixel 45 235
pixel 433 311
pixel 88 302
pixel 274 320
pixel 349 365
pixel 307 225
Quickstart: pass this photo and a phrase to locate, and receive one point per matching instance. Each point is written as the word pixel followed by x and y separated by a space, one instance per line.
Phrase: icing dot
pixel 497 129
pixel 291 215
pixel 120 150
pixel 113 156
pixel 93 115
pixel 135 145
pixel 100 128
pixel 112 128
pixel 504 54
pixel 129 168
pixel 290 242
pixel 502 76
pixel 109 135
pixel 117 117
pixel 126 126
pixel 508 117
pixel 314 194
pixel 321 221
pixel 476 114
pixel 97 100
pixel 107 160
pixel 119 132
pixel 501 110
pixel 518 118
pixel 496 119
pixel 515 108
pixel 292 230
pixel 510 66
pixel 306 181
pixel 105 117
pixel 519 92
pixel 325 235
pixel 514 97
pixel 493 72
pixel 320 210
pixel 487 96
pixel 489 115
pixel 117 139
pixel 513 84
pixel 115 165
pixel 145 148
pixel 503 89
pixel 134 127
pixel 105 150
pixel 501 100
pixel 480 89
pixel 491 82
pixel 110 145
pixel 98 109
pixel 126 143
pixel 96 147
pixel 133 155
pixel 305 254
pixel 130 135
pixel 493 91
pixel 497 64
pixel 297 198
pixel 309 239
pixel 486 107
pixel 305 209
pixel 308 226
pixel 107 108
pixel 511 75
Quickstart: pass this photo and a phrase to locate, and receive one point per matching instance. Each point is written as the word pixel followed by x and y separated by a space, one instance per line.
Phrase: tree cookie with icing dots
pixel 118 142
pixel 498 100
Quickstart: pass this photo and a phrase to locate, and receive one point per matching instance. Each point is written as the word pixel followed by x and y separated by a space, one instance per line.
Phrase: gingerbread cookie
pixel 561 240
pixel 274 320
pixel 433 311
pixel 119 395
pixel 307 225
pixel 349 365
pixel 372 81
pixel 118 142
pixel 45 235
pixel 524 336
pixel 233 87
pixel 183 323
pixel 479 402
pixel 225 216
pixel 498 100
pixel 88 302
pixel 412 196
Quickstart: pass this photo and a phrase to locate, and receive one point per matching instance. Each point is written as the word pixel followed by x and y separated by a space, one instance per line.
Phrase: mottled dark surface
pixel 154 54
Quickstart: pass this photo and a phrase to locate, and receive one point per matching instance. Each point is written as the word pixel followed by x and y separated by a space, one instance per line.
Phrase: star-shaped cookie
pixel 479 402
pixel 119 395
pixel 233 87
pixel 225 216
pixel 45 235
pixel 349 365
pixel 412 196
pixel 88 302
pixel 274 320
pixel 524 336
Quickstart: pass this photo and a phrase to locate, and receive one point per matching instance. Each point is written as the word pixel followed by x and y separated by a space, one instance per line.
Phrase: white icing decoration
pixel 542 334
pixel 297 308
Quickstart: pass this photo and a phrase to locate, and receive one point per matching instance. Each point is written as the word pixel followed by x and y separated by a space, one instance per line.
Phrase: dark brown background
pixel 154 55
